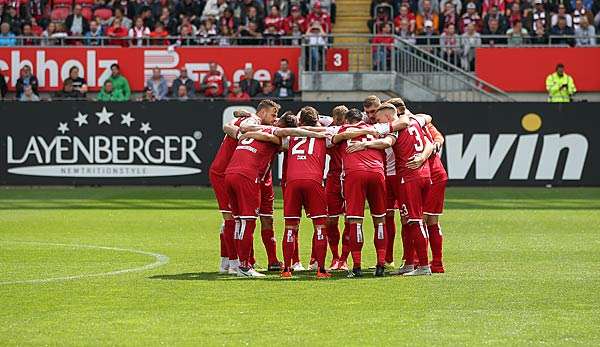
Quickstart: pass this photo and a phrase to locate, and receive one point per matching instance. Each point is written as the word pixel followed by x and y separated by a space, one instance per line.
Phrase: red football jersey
pixel 335 157
pixel 306 159
pixel 436 168
pixel 225 152
pixel 366 160
pixel 252 158
pixel 410 142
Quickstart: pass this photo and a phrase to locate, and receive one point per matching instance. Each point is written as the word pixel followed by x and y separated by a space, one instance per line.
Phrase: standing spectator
pixel 79 84
pixel 139 32
pixel 581 12
pixel 494 13
pixel 295 18
pixel 516 35
pixel 448 17
pixel 315 39
pixel 538 13
pixel 109 93
pixel 75 23
pixel 471 16
pixel 11 17
pixel 382 48
pixel 92 38
pixel 182 93
pixel 560 86
pixel 237 94
pixel 406 14
pixel 158 85
pixel 284 80
pixel 249 85
pixel 120 15
pixel 3 86
pixel 266 91
pixel 563 31
pixel 214 83
pixel 68 92
pixel 469 41
pixel 562 12
pixel 427 14
pixel 493 35
pixel 540 36
pixel 29 38
pixel 586 34
pixel 450 45
pixel 183 80
pixel 320 17
pixel 158 37
pixel 28 94
pixel 119 82
pixel 26 79
pixel 117 33
pixel 6 37
pixel 405 33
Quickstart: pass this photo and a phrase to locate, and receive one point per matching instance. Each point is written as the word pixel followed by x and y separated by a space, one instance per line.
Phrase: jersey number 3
pixel 414 132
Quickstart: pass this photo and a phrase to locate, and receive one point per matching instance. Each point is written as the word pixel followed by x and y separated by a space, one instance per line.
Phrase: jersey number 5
pixel 414 132
pixel 302 140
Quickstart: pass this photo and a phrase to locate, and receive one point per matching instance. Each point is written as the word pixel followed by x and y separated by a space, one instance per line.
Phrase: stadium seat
pixel 59 14
pixel 84 3
pixel 103 13
pixel 62 3
pixel 86 12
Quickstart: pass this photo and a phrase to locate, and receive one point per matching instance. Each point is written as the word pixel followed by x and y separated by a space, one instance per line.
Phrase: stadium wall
pixel 173 143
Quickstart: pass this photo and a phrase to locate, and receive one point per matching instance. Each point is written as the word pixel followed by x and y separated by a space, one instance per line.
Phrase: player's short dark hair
pixel 288 120
pixel 399 104
pixel 267 103
pixel 309 116
pixel 371 100
pixel 354 115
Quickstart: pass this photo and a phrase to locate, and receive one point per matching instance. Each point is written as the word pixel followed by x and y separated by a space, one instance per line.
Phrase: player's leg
pixel 434 207
pixel 292 211
pixel 296 264
pixel 376 196
pixel 227 228
pixel 267 196
pixel 288 244
pixel 343 263
pixel 314 200
pixel 416 192
pixel 355 195
pixel 335 208
pixel 392 183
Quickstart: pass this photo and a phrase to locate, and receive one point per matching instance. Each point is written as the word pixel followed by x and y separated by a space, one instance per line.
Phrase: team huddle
pixel 386 156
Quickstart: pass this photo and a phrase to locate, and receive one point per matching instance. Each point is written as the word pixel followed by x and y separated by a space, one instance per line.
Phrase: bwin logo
pixel 135 152
pixel 489 158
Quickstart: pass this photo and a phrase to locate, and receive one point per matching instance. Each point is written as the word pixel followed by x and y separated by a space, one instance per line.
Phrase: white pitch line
pixel 160 261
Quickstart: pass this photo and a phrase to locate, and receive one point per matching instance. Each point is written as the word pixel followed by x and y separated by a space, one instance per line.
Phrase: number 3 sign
pixel 337 59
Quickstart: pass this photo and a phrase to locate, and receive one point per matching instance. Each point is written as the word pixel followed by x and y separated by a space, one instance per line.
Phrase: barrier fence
pixel 172 143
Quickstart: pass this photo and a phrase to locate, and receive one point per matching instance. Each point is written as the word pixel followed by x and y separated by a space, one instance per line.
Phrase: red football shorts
pixel 434 203
pixel 361 185
pixel 218 185
pixel 307 193
pixel 335 197
pixel 392 189
pixel 412 196
pixel 244 195
pixel 267 196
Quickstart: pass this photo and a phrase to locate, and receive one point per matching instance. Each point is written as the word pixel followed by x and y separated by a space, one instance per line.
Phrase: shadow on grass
pixel 271 276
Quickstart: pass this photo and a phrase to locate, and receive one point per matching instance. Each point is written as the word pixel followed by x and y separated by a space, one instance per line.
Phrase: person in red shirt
pixel 274 23
pixel 295 17
pixel 405 13
pixel 214 82
pixel 382 48
pixel 158 35
pixel 318 15
pixel 237 94
pixel 118 33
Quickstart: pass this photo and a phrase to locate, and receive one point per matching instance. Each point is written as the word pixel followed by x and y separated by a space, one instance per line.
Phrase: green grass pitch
pixel 523 267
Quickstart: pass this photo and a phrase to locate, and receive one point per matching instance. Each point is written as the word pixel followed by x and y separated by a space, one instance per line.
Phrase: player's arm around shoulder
pixel 380 144
pixel 349 134
pixel 261 135
pixel 231 130
pixel 299 132
pixel 420 158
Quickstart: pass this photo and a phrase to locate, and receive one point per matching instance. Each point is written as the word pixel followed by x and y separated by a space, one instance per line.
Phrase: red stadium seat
pixel 86 12
pixel 85 3
pixel 59 14
pixel 103 13
pixel 62 3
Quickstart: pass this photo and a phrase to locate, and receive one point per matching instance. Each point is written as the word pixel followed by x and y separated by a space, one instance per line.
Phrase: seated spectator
pixel 228 20
pixel 79 84
pixel 495 14
pixel 7 38
pixel 109 93
pixel 139 32
pixel 428 37
pixel 450 45
pixel 168 21
pixel 295 18
pixel 457 5
pixel 225 36
pixel 493 34
pixel 68 92
pixel 158 84
pixel 207 31
pixel 250 34
pixel 284 80
pixel 248 84
pixel 266 91
pixel 552 5
pixel 3 86
pixel 213 8
pixel 92 38
pixel 274 23
pixel 214 83
pixel 382 48
pixel 561 29
pixel 427 15
pixel 404 32
pixel 469 41
pixel 435 6
pixel 26 79
pixel 516 15
pixel 182 93
pixel 29 38
pixel 471 16
pixel 382 18
pixel 186 27
pixel 540 14
pixel 119 82
pixel 75 24
pixel 35 28
pixel 251 16
pixel 147 95
pixel 28 95
pixel 405 14
pixel 562 12
pixel 147 17
pixel 489 4
pixel 183 80
pixel 316 43
pixel 540 36
pixel 158 37
pixel 12 18
pixel 117 33
pixel 449 17
pixel 191 9
pixel 320 17
pixel 581 12
pixel 186 36
pixel 120 15
pixel 237 94
pixel 516 35
pixel 586 34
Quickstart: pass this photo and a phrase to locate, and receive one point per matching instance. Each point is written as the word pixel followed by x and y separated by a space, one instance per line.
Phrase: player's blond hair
pixel 371 100
pixel 386 106
pixel 399 104
pixel 339 112
pixel 268 103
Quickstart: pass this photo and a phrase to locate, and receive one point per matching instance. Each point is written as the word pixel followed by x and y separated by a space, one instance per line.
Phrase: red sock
pixel 345 243
pixel 228 236
pixel 268 239
pixel 380 242
pixel 320 242
pixel 419 237
pixel 333 237
pixel 356 243
pixel 245 240
pixel 435 242
pixel 288 244
pixel 390 236
pixel 223 244
pixel 407 245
